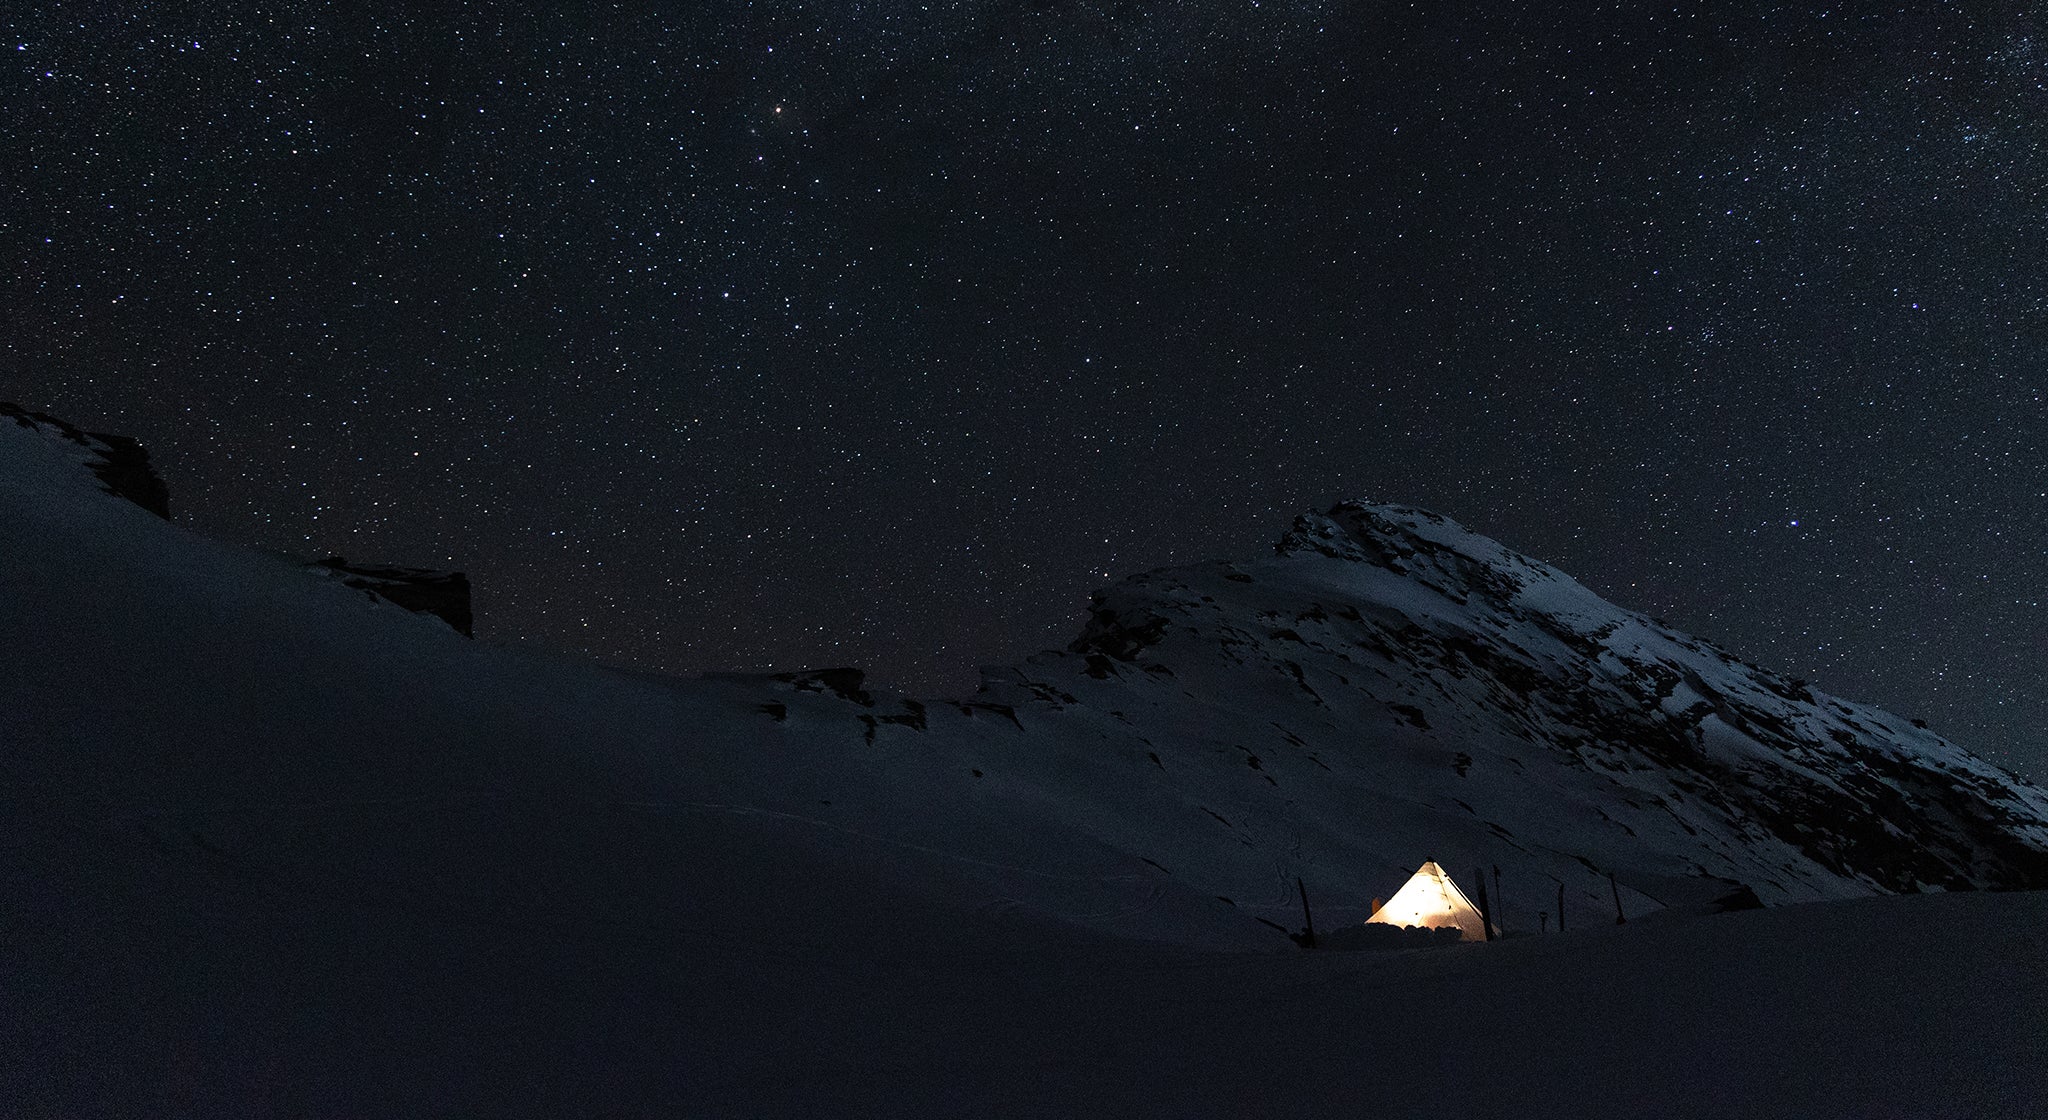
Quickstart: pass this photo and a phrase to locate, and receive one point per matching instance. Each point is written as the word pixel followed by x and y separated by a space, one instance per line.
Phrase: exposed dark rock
pixel 122 466
pixel 445 595
pixel 120 463
pixel 843 682
pixel 1120 636
pixel 1691 895
pixel 1739 897
pixel 912 716
pixel 1411 714
pixel 1003 710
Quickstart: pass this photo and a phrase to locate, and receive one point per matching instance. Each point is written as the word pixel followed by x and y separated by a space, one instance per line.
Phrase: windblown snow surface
pixel 275 847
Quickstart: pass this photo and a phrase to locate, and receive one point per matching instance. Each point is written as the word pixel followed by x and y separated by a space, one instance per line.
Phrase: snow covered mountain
pixel 275 846
pixel 1390 686
pixel 1387 687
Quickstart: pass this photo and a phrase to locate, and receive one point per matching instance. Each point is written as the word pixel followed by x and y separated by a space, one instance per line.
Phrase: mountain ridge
pixel 1385 687
pixel 1456 636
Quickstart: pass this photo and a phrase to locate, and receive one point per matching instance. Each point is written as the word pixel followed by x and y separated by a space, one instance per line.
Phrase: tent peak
pixel 1430 899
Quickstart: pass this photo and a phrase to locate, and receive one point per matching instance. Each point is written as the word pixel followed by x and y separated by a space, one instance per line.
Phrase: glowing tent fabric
pixel 1429 899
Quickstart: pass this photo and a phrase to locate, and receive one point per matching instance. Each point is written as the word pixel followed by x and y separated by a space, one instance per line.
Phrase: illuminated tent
pixel 1429 899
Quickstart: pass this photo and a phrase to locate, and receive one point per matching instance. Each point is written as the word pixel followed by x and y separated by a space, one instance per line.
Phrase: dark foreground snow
pixel 193 1004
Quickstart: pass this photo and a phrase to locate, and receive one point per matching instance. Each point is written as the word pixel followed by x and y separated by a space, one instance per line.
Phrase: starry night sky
pixel 723 335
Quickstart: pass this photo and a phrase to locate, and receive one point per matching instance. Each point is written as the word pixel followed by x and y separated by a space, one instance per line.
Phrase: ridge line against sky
pixel 783 334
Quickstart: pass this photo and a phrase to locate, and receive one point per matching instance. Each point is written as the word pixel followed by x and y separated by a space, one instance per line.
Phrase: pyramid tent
pixel 1431 900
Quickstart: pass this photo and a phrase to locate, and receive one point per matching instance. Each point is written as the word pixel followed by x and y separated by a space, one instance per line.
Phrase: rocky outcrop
pixel 445 595
pixel 122 466
pixel 120 463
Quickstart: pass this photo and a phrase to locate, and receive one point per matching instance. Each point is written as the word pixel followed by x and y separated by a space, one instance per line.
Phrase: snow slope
pixel 278 848
pixel 1390 687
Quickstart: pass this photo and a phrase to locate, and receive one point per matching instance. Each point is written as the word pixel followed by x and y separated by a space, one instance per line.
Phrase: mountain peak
pixel 1438 552
pixel 1425 664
